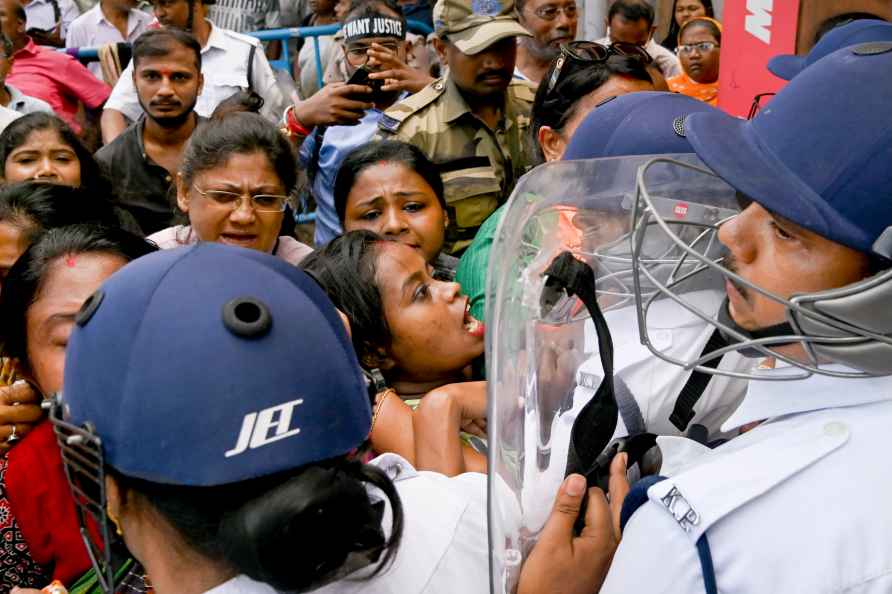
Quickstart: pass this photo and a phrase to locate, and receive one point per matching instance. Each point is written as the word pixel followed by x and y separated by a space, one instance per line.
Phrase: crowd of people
pixel 201 393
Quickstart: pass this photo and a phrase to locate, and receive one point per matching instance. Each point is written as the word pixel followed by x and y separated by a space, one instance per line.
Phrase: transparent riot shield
pixel 543 363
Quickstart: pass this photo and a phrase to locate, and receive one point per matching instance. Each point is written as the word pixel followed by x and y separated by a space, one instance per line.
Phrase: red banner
pixel 754 31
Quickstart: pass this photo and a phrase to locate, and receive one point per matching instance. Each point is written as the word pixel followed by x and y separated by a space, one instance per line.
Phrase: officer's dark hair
pixel 346 270
pixel 93 181
pixel 244 100
pixel 26 277
pixel 384 151
pixel 554 109
pixel 632 10
pixel 156 43
pixel 670 42
pixel 293 530
pixel 33 207
pixel 704 24
pixel 839 20
pixel 216 140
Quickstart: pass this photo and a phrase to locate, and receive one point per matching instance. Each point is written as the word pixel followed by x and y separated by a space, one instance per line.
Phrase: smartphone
pixel 361 77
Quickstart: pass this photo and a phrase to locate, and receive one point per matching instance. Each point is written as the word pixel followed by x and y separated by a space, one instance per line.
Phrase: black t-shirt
pixel 142 187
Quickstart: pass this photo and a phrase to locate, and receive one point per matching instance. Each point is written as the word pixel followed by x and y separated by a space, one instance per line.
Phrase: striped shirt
pixel 245 16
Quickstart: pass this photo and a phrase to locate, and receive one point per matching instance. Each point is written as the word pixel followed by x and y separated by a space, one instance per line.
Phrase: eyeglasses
pixel 549 13
pixel 757 104
pixel 589 52
pixel 702 47
pixel 358 55
pixel 233 200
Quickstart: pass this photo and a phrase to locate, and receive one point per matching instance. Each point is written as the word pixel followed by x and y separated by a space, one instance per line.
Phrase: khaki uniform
pixel 479 166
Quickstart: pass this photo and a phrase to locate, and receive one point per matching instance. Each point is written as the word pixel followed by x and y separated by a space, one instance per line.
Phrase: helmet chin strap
pixel 782 329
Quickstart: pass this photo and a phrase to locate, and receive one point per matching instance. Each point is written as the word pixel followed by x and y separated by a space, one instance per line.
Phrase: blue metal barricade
pixel 285 59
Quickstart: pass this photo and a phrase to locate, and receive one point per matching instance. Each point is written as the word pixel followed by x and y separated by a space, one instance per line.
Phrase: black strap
pixel 251 67
pixel 596 422
pixel 591 449
pixel 629 411
pixel 693 389
pixel 57 12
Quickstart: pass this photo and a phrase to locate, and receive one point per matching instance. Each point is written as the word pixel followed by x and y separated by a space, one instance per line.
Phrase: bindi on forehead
pixel 71 261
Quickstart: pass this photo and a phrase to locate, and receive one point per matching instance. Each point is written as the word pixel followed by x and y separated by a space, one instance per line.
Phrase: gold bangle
pixel 379 404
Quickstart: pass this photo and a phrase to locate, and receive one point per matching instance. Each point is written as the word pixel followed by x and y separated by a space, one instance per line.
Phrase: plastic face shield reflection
pixel 535 356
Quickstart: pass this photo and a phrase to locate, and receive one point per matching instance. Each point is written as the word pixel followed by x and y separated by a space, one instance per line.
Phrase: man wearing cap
pixel 797 503
pixel 473 122
pixel 340 118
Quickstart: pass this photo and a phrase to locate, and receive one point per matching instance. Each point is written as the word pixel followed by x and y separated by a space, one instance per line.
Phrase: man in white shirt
pixel 48 20
pixel 632 21
pixel 799 502
pixel 110 21
pixel 230 62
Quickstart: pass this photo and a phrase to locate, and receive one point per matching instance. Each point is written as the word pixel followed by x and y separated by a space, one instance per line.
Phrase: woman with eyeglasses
pixel 233 185
pixel 699 49
pixel 682 12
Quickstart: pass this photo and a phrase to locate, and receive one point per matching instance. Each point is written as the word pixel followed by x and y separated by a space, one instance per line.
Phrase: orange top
pixel 684 84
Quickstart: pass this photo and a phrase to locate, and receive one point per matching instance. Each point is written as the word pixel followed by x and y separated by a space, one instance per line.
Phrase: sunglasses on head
pixel 589 52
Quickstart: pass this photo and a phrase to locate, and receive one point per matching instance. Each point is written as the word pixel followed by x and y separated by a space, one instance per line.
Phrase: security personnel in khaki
pixel 474 121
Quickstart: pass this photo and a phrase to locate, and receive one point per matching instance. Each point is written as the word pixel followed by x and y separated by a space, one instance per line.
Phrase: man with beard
pixel 374 40
pixel 552 23
pixel 143 160
pixel 230 62
pixel 474 121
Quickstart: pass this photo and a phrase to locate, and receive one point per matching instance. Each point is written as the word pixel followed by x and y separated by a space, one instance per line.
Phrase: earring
pixel 114 521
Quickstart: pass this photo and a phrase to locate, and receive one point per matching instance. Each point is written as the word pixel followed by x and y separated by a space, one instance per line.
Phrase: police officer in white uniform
pixel 800 502
pixel 230 61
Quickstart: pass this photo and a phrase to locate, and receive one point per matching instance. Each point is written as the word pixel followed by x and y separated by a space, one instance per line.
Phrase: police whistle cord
pixel 591 450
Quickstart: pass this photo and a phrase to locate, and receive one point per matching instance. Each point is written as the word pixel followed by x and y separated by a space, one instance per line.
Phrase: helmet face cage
pixel 824 336
pixel 612 259
pixel 84 466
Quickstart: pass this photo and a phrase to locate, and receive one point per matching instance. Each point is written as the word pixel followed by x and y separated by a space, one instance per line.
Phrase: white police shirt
pixel 224 63
pixel 444 549
pixel 655 385
pixel 801 503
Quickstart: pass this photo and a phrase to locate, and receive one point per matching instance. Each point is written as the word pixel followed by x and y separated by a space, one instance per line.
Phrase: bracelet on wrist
pixel 293 125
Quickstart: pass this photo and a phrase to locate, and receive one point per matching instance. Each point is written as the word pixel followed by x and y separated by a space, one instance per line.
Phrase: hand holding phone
pixel 336 104
pixel 361 77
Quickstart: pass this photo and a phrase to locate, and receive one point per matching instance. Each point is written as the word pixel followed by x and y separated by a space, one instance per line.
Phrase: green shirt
pixel 472 267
